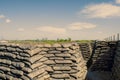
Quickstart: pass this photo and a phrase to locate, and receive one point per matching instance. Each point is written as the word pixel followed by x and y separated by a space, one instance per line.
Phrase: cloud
pixel 103 10
pixel 50 29
pixel 2 16
pixel 118 1
pixel 7 20
pixel 21 29
pixel 81 25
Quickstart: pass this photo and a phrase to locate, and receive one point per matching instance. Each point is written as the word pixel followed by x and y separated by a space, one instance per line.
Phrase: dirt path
pixel 98 75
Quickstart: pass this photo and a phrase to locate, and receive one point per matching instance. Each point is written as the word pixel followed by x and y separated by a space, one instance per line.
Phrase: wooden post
pixel 118 36
pixel 113 37
pixel 109 38
pixel 105 39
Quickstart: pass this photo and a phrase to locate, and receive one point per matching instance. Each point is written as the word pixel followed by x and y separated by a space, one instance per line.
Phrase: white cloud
pixel 118 1
pixel 21 29
pixel 2 16
pixel 50 29
pixel 81 25
pixel 7 20
pixel 103 10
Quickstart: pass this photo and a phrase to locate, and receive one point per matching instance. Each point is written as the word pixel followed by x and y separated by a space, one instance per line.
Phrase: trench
pixel 101 61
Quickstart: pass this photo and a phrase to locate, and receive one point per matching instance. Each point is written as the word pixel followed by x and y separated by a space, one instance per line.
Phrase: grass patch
pixel 48 41
pixel 84 41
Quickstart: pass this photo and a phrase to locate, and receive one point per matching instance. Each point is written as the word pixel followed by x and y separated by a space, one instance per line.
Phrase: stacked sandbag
pixel 103 56
pixel 86 50
pixel 102 61
pixel 65 61
pixel 21 63
pixel 116 66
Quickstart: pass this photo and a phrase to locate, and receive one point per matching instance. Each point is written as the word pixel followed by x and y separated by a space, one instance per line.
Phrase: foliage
pixel 45 40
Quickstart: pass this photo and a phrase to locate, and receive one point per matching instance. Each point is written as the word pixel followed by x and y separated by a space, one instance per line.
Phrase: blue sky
pixel 52 19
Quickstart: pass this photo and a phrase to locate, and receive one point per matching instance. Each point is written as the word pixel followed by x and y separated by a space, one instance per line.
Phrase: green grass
pixel 36 41
pixel 84 41
pixel 48 41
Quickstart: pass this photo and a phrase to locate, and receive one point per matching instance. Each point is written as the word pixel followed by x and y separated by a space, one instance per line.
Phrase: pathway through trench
pixel 95 75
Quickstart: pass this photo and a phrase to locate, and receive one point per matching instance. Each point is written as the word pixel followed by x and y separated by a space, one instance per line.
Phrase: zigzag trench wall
pixel 86 50
pixel 116 65
pixel 42 62
pixel 103 57
pixel 106 60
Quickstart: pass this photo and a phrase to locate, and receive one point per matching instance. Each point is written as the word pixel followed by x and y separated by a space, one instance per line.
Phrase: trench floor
pixel 96 75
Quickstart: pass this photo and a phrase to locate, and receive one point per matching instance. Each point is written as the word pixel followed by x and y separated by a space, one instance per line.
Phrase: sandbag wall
pixel 116 66
pixel 86 50
pixel 103 56
pixel 21 63
pixel 65 61
pixel 42 62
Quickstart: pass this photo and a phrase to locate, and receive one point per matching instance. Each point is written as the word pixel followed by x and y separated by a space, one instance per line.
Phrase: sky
pixel 52 19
